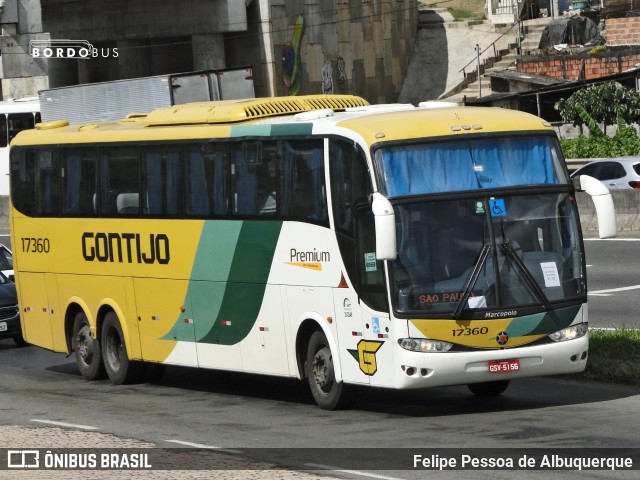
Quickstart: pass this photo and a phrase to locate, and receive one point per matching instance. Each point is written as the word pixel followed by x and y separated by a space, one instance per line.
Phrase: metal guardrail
pixel 575 163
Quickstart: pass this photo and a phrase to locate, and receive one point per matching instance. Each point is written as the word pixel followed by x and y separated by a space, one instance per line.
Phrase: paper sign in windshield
pixel 550 273
pixel 477 302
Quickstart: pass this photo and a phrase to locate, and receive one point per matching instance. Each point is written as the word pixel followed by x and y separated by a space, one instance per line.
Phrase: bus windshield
pixel 481 163
pixel 461 255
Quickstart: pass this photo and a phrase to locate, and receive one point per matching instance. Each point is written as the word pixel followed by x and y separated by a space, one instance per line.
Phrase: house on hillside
pixel 591 45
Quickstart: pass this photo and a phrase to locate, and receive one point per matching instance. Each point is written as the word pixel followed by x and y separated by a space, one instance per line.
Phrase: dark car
pixel 9 311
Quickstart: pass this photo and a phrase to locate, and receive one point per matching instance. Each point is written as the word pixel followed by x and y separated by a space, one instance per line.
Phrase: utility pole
pixel 478 74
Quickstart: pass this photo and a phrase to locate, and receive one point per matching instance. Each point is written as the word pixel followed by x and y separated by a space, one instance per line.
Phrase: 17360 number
pixel 35 245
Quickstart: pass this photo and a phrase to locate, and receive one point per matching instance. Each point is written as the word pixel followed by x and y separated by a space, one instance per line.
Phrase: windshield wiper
pixel 507 250
pixel 477 268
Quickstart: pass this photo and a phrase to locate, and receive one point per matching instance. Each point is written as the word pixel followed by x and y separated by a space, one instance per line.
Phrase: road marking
pixel 352 472
pixel 63 424
pixel 200 445
pixel 605 293
pixel 612 239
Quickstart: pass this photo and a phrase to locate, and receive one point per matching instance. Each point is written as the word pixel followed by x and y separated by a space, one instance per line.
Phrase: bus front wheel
pixel 119 368
pixel 488 389
pixel 86 349
pixel 328 393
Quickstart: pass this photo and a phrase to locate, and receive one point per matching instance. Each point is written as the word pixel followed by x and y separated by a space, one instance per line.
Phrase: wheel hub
pixel 84 344
pixel 323 369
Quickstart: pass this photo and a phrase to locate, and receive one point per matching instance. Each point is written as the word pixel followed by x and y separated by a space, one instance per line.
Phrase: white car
pixel 621 172
pixel 6 262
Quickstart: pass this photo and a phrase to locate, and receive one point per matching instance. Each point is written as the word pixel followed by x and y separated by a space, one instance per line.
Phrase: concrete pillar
pixel 133 58
pixel 62 72
pixel 208 51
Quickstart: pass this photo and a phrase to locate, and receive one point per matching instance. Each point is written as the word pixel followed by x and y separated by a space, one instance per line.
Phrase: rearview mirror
pixel 385 221
pixel 602 200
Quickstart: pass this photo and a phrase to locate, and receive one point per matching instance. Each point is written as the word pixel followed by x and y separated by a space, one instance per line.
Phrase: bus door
pixel 374 351
pixel 364 327
pixel 166 321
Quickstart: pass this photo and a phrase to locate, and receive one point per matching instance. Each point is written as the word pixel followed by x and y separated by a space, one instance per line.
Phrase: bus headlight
pixel 570 333
pixel 424 345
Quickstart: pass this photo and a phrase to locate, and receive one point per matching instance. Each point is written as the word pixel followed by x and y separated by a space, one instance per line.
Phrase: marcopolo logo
pixel 78 49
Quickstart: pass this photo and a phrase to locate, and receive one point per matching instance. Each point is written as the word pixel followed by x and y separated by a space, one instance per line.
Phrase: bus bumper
pixel 419 370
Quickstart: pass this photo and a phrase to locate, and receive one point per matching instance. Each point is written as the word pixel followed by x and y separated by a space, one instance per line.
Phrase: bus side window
pixel 350 186
pixel 206 180
pixel 4 138
pixel 254 178
pixel 119 173
pixel 162 176
pixel 78 181
pixel 46 183
pixel 303 193
pixel 350 183
pixel 18 122
pixel 23 185
pixel 370 270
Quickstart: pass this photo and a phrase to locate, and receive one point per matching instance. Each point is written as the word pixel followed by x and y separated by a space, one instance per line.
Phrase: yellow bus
pixel 315 237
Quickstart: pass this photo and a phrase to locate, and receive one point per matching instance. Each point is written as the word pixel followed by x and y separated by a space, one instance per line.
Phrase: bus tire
pixel 87 349
pixel 488 389
pixel 120 369
pixel 327 392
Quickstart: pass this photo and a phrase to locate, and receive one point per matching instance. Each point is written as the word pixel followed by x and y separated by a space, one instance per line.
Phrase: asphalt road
pixel 192 408
pixel 613 282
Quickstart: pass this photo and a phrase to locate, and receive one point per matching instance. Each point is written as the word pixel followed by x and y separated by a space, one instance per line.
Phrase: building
pixel 361 47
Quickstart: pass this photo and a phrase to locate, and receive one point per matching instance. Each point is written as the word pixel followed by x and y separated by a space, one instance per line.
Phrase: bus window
pixel 23 186
pixel 19 122
pixel 78 181
pixel 350 183
pixel 46 184
pixel 163 181
pixel 303 190
pixel 3 131
pixel 370 270
pixel 254 178
pixel 206 180
pixel 119 181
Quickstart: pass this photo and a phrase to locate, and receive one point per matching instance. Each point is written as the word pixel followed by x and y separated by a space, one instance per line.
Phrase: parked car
pixel 9 311
pixel 621 172
pixel 6 262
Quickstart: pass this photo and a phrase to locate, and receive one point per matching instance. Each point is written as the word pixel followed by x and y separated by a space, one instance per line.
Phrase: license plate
pixel 3 326
pixel 502 366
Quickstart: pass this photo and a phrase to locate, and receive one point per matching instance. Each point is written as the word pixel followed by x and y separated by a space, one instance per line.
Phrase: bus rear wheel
pixel 86 349
pixel 488 389
pixel 328 393
pixel 119 368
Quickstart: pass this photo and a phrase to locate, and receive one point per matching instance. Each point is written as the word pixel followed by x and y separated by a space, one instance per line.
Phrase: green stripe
pixel 228 281
pixel 543 323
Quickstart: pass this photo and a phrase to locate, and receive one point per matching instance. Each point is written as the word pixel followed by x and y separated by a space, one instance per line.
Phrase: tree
pixel 607 103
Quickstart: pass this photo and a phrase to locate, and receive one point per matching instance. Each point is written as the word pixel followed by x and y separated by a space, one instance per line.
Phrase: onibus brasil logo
pixel 78 49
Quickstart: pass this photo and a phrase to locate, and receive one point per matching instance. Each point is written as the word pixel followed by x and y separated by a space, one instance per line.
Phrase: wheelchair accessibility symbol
pixel 497 208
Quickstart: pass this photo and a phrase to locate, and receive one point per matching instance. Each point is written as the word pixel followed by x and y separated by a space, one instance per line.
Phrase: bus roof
pixel 20 105
pixel 279 116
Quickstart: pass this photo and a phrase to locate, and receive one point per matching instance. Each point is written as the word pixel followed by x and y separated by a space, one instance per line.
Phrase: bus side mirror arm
pixel 385 223
pixel 602 200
